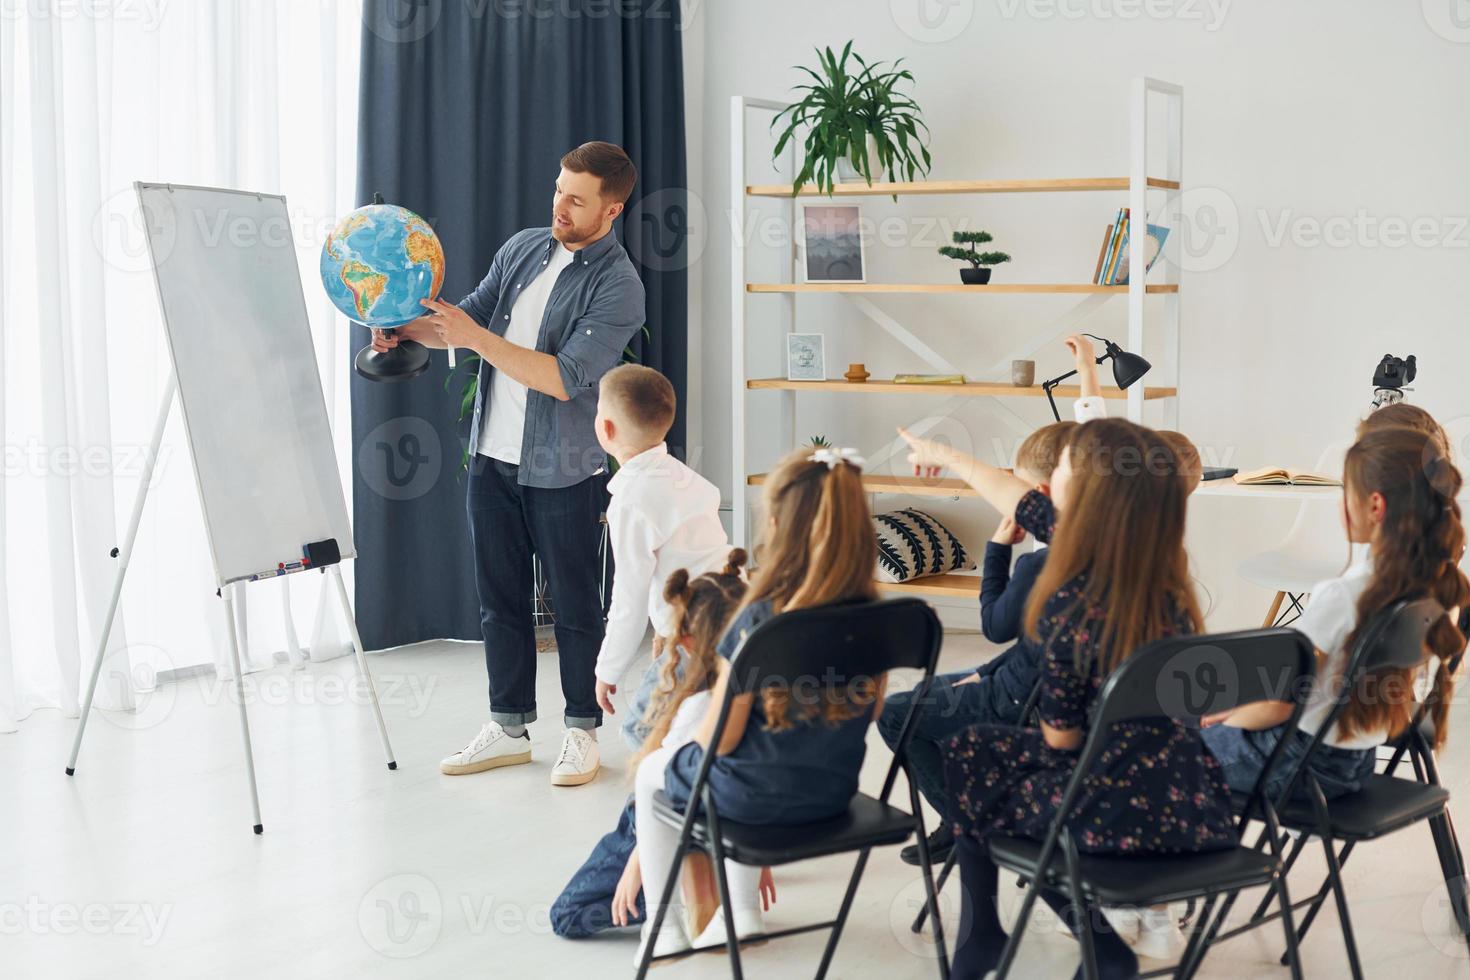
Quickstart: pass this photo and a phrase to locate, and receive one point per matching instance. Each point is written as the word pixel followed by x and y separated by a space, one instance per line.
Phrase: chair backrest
pixel 833 645
pixel 1188 677
pixel 1394 638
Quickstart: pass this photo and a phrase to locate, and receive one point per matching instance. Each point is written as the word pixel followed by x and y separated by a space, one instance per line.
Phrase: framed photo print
pixel 805 358
pixel 832 242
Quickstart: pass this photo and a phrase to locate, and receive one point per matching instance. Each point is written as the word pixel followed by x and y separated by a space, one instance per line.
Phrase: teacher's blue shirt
pixel 595 309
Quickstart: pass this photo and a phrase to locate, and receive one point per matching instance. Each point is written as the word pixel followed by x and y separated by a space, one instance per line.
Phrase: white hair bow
pixel 832 456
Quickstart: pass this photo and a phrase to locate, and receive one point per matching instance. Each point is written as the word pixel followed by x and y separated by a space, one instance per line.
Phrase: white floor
pixel 144 861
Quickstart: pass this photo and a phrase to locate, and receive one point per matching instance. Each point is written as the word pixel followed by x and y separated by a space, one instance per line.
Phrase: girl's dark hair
pixel 1416 553
pixel 703 606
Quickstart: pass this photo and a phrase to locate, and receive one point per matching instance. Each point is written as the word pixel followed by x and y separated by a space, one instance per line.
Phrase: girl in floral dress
pixel 1116 579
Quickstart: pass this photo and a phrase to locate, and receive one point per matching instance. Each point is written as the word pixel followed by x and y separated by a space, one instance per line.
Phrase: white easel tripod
pixel 125 554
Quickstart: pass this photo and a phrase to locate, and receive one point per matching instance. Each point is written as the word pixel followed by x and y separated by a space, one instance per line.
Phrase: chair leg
pixel 931 891
pixel 1083 912
pixel 1293 951
pixel 832 940
pixel 1320 899
pixel 1334 874
pixel 1452 866
pixel 918 925
pixel 1275 608
pixel 1196 935
pixel 1296 850
pixel 732 941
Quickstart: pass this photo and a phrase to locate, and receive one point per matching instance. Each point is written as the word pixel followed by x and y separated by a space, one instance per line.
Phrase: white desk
pixel 1229 488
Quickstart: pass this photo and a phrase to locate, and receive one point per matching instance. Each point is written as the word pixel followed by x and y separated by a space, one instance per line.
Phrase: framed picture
pixel 832 240
pixel 805 358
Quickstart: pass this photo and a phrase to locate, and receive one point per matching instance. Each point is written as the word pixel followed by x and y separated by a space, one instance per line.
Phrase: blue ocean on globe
pixel 379 262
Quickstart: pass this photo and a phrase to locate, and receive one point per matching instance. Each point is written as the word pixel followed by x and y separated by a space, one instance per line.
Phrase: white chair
pixel 1315 548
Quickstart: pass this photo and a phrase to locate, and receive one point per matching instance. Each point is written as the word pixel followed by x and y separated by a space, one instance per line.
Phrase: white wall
pixel 1344 119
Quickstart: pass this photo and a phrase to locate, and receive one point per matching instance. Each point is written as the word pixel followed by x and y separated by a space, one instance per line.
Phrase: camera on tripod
pixel 1390 377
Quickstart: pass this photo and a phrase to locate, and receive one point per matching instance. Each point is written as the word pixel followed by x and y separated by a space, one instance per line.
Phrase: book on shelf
pixel 1112 261
pixel 928 379
pixel 1281 476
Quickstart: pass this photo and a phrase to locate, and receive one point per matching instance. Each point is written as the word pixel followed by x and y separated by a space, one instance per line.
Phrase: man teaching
pixel 553 314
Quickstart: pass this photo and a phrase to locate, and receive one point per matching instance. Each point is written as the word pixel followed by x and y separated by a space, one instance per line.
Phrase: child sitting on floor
pixel 604 892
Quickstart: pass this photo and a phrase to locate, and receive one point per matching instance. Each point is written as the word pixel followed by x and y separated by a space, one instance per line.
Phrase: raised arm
pixel 1001 490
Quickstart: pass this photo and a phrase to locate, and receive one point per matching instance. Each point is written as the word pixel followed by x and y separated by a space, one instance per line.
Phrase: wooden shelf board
pixel 917 486
pixel 994 288
pixel 858 189
pixel 974 388
pixel 953 586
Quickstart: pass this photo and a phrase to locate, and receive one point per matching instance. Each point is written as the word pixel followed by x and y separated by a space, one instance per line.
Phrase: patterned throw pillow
pixel 912 544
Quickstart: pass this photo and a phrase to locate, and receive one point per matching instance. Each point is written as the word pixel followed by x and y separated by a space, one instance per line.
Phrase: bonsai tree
pixel 841 109
pixel 964 250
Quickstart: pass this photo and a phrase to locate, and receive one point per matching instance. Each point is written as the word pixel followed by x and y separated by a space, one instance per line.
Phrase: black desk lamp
pixel 1127 368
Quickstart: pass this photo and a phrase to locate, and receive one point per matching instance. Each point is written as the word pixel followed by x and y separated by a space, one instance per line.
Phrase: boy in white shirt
pixel 663 517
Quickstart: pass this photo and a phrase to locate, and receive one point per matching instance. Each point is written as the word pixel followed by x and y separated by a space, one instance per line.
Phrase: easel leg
pixel 124 555
pixel 240 700
pixel 362 668
pixel 293 646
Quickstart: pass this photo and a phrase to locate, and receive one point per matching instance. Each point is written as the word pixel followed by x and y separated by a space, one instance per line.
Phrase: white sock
pixel 589 731
pixel 514 731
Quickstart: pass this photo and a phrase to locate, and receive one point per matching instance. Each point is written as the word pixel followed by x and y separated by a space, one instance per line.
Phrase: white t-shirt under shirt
pixel 1329 618
pixel 687 720
pixel 501 432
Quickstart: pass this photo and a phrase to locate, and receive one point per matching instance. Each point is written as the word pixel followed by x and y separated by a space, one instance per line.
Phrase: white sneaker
pixel 672 938
pixel 1125 921
pixel 1159 936
pixel 748 922
pixel 490 749
pixel 579 759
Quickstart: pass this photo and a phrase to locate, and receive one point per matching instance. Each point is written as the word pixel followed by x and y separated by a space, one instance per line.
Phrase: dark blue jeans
pixel 949 709
pixel 584 907
pixel 1243 754
pixel 508 523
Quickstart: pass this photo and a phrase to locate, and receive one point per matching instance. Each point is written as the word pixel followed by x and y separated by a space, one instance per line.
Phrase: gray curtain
pixel 466 108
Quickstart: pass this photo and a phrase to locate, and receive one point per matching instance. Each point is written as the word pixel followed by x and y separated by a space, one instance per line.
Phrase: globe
pixel 379 262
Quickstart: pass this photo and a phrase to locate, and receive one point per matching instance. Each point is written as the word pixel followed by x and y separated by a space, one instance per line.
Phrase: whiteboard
pixel 235 317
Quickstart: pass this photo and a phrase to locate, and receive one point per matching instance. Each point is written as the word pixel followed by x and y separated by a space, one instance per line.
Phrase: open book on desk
pixel 1279 475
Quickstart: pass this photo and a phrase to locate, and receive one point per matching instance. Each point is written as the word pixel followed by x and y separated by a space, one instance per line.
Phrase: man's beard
pixel 571 235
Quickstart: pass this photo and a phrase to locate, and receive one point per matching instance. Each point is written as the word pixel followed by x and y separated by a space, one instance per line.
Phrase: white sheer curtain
pixel 245 93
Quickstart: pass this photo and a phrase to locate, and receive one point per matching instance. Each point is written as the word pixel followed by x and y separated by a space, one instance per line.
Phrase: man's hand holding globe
pixel 447 326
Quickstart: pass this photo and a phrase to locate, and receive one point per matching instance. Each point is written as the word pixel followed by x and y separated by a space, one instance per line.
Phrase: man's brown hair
pixel 642 398
pixel 607 161
pixel 1039 453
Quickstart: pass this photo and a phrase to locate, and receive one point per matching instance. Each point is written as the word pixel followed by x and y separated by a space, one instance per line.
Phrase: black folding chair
pixel 1183 679
pixel 829 645
pixel 1027 710
pixel 1386 803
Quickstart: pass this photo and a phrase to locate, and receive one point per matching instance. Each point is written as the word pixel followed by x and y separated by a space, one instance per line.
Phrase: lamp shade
pixel 1128 368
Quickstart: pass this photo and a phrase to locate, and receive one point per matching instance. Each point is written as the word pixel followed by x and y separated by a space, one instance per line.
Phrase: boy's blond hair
pixel 640 399
pixel 1039 454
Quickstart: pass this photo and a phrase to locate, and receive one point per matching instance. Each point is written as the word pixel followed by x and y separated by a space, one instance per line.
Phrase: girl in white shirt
pixel 605 891
pixel 1399 490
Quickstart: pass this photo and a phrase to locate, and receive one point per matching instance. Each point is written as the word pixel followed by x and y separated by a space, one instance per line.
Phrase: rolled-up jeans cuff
pixel 504 718
pixel 586 723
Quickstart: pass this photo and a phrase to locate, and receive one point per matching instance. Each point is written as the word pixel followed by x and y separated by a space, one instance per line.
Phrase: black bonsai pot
pixel 975 276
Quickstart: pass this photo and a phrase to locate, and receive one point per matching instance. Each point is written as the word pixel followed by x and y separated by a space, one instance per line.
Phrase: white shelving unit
pixel 1165 288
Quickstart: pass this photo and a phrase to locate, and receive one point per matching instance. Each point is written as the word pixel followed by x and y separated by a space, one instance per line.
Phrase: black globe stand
pixel 402 363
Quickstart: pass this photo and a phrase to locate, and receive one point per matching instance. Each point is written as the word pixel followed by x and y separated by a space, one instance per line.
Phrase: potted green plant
pixel 963 249
pixel 857 118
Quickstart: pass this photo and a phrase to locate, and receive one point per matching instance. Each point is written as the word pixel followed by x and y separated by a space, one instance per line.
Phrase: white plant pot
pixel 847 173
